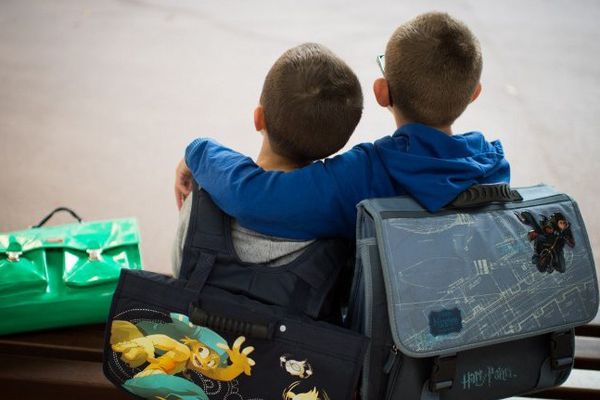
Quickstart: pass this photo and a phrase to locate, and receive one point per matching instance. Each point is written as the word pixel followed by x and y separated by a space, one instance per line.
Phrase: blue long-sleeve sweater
pixel 320 199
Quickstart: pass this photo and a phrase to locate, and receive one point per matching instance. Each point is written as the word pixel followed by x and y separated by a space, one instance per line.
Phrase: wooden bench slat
pixel 590 329
pixel 51 351
pixel 563 393
pixel 85 336
pixel 29 377
pixel 75 343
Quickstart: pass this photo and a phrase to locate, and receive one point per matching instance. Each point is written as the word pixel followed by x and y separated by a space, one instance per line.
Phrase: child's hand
pixel 183 183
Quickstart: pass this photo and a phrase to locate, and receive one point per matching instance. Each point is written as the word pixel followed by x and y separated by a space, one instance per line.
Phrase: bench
pixel 58 364
pixel 67 364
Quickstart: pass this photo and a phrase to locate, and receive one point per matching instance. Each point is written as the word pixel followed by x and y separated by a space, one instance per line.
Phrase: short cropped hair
pixel 312 102
pixel 432 65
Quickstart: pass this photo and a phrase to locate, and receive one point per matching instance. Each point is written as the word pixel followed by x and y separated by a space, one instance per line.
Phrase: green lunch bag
pixel 63 275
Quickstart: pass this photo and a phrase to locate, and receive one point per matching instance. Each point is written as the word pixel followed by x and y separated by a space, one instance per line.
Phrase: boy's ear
pixel 476 92
pixel 382 92
pixel 259 119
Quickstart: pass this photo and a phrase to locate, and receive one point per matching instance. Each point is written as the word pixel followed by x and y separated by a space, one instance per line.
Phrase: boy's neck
pixel 400 121
pixel 270 161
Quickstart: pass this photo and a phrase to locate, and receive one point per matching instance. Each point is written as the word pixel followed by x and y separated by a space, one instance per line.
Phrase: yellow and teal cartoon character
pixel 177 347
pixel 313 394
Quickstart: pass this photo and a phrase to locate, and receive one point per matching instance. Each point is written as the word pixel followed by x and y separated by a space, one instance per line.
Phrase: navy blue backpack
pixel 231 330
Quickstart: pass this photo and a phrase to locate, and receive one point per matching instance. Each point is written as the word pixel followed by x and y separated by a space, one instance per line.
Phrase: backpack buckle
pixel 561 350
pixel 442 373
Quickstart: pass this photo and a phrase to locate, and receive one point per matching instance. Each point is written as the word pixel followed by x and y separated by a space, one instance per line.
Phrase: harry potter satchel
pixel 477 301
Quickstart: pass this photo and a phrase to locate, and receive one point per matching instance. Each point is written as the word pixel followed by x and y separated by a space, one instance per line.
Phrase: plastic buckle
pixel 561 350
pixel 443 373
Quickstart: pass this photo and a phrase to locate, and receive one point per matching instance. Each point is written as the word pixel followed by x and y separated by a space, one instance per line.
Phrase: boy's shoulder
pixel 357 155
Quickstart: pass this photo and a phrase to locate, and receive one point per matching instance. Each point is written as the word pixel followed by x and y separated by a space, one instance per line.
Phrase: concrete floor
pixel 99 99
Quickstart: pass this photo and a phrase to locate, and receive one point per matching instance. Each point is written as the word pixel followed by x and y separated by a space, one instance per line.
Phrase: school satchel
pixel 477 301
pixel 63 275
pixel 231 330
pixel 168 339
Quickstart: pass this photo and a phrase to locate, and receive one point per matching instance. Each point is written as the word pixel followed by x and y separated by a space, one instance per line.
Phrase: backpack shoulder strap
pixel 209 227
pixel 208 231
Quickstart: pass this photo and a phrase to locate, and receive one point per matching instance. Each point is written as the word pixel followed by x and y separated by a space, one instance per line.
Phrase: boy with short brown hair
pixel 438 75
pixel 309 106
pixel 311 102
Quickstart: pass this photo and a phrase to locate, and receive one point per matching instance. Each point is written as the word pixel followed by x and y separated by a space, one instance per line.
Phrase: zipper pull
pixel 391 360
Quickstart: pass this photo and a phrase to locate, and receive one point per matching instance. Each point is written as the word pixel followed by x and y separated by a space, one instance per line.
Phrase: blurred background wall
pixel 98 99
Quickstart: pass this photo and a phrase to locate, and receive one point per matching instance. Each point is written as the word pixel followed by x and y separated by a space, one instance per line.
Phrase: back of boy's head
pixel 312 101
pixel 432 66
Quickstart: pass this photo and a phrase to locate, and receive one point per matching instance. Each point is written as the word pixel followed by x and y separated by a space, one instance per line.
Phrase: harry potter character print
pixel 549 236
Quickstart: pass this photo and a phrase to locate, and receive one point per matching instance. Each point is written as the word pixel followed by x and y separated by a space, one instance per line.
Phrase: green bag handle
pixel 59 209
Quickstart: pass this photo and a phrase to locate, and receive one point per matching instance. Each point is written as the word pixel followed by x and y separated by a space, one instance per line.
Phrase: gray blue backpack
pixel 477 301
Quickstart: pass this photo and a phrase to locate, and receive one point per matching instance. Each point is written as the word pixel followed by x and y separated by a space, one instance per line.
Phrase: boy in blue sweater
pixel 432 69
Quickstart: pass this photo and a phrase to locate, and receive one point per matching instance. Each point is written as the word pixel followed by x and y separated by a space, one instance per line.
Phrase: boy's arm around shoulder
pixel 312 202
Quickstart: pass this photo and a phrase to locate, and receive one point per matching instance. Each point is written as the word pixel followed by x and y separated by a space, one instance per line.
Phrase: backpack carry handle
pixel 480 195
pixel 59 209
pixel 222 323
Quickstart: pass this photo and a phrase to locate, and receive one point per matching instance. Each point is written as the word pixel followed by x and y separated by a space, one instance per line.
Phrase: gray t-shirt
pixel 250 246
